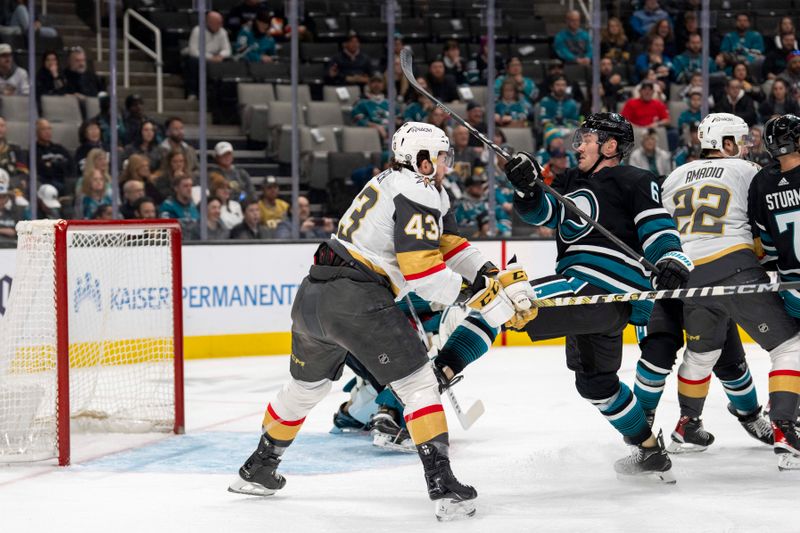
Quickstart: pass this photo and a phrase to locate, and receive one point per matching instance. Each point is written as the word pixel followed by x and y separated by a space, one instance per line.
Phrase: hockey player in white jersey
pixel 708 199
pixel 396 237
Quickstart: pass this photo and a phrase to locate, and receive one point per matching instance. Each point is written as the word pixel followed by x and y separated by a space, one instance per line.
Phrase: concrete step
pixel 135 53
pixel 61 20
pixel 141 66
pixel 144 78
pixel 148 92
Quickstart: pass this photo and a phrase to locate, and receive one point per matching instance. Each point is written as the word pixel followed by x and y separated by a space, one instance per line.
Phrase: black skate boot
pixel 257 477
pixel 444 382
pixel 387 433
pixel 787 444
pixel 453 500
pixel 344 423
pixel 689 436
pixel 756 424
pixel 646 462
pixel 650 416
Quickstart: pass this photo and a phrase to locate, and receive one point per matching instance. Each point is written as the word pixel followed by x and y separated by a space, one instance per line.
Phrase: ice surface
pixel 541 459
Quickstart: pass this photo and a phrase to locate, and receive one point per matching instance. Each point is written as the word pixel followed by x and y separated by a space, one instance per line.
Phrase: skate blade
pixel 448 509
pixel 347 431
pixel 385 442
pixel 240 486
pixel 788 461
pixel 667 478
pixel 685 447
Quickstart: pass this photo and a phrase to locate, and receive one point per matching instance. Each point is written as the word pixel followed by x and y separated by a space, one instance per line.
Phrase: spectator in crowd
pixel 132 190
pixel 465 157
pixel 614 43
pixel 650 157
pixel 50 80
pixel 251 226
pixel 90 138
pixel 243 14
pixel 724 62
pixel 230 210
pixel 554 142
pixel 558 109
pixel 654 59
pixel 173 166
pixel 791 74
pixel 134 116
pixel 144 208
pixel 180 205
pixel 690 149
pixel 663 29
pixel 223 163
pixel 690 60
pixel 785 27
pixel 254 44
pixel 475 119
pixel 556 165
pixel 218 49
pixel 612 85
pixel 96 159
pixel 95 191
pixel 695 83
pixel 737 102
pixel 646 111
pixel 779 102
pixel 350 65
pixel 216 230
pixel 372 111
pixel 47 204
pixel 310 227
pixel 573 44
pixel 13 79
pixel 9 212
pixel 454 64
pixel 81 81
pixel 479 62
pixel 473 202
pixel 418 106
pixel 146 143
pixel 741 72
pixel 512 110
pixel 21 19
pixel 174 141
pixel 272 208
pixel 440 119
pixel 103 212
pixel 744 43
pixel 756 152
pixel 693 113
pixel 53 162
pixel 555 69
pixel 775 59
pixel 526 86
pixel 104 119
pixel 13 160
pixel 137 168
pixel 644 18
pixel 401 85
pixel 442 85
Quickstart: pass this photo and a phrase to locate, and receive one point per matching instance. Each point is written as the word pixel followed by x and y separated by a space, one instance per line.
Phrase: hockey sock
pixel 468 342
pixel 694 378
pixel 286 413
pixel 625 413
pixel 649 384
pixel 784 380
pixel 741 392
pixel 423 414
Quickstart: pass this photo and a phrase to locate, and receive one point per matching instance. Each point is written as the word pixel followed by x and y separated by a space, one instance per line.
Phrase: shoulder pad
pixel 416 188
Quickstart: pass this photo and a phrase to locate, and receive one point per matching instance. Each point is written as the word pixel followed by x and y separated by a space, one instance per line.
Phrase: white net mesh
pixel 121 357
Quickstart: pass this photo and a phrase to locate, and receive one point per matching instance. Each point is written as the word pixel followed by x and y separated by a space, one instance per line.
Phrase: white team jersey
pixel 707 199
pixel 396 226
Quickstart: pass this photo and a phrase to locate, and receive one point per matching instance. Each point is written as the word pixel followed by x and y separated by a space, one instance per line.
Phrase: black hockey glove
pixel 674 272
pixel 523 171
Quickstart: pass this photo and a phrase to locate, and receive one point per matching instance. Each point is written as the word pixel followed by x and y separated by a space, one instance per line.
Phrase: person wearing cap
pixel 47 201
pixel 372 111
pixel 218 48
pixel 9 212
pixel 350 65
pixel 473 202
pixel 254 44
pixel 81 81
pixel 791 74
pixel 646 111
pixel 745 43
pixel 775 59
pixel 272 208
pixel 690 60
pixel 13 79
pixel 223 163
pixel 554 142
pixel 134 116
pixel 104 119
pixel 692 114
pixel 243 14
pixel 573 44
pixel 555 69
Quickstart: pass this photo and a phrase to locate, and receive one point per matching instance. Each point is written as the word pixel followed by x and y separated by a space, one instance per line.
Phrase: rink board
pixel 237 298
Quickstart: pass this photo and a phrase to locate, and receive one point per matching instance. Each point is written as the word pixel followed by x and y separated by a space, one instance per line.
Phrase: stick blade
pixel 472 415
pixel 407 63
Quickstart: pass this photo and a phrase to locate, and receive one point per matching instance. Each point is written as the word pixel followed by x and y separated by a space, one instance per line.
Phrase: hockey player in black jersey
pixel 626 200
pixel 774 210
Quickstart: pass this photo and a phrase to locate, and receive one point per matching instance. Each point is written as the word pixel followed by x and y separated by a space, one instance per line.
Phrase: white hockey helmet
pixel 414 137
pixel 716 126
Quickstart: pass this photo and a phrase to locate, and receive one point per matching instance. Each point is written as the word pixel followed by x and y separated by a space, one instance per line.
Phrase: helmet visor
pixel 446 158
pixel 587 135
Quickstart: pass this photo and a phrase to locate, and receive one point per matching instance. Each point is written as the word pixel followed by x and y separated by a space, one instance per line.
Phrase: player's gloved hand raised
pixel 515 282
pixel 674 269
pixel 489 298
pixel 523 171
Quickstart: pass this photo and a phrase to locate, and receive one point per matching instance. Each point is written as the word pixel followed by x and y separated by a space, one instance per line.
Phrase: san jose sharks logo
pixel 570 226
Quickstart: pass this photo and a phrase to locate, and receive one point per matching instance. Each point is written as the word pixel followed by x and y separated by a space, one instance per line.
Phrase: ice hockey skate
pixel 690 436
pixel 454 501
pixel 343 422
pixel 787 444
pixel 756 424
pixel 258 476
pixel 387 433
pixel 645 463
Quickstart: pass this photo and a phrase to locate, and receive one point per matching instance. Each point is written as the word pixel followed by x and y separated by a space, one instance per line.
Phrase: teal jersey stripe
pixel 613 267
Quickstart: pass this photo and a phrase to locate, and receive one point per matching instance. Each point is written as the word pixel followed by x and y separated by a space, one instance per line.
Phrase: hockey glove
pixel 521 318
pixel 674 272
pixel 491 301
pixel 523 171
pixel 515 282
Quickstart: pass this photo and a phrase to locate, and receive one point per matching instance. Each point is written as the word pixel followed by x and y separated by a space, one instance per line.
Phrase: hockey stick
pixel 406 63
pixel 696 292
pixel 475 410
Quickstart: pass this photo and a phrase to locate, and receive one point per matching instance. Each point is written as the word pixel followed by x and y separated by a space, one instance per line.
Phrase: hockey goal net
pixel 92 335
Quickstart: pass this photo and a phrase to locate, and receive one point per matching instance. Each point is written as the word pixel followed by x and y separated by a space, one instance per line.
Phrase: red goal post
pixel 93 335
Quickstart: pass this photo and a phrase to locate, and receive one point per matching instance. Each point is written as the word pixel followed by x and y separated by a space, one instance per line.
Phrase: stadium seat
pixel 459 108
pixel 330 28
pixel 369 28
pixel 675 110
pixel 253 96
pixel 62 109
pixel 323 142
pixel 17 133
pixel 479 93
pixel 14 108
pixel 227 70
pixel 332 94
pixel 661 132
pixel 92 104
pixel 342 164
pixel 450 28
pixel 355 139
pixel 520 138
pixel 324 114
pixel 414 29
pixel 283 93
pixel 318 52
pixel 525 29
pixel 66 134
pixel 531 51
pixel 270 72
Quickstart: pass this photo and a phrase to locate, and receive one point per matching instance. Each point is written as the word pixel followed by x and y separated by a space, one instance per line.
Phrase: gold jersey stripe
pixel 427 427
pixel 418 261
pixel 783 383
pixel 722 253
pixel 693 390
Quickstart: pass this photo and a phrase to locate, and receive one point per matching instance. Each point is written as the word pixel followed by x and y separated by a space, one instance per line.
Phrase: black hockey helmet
pixel 607 125
pixel 781 135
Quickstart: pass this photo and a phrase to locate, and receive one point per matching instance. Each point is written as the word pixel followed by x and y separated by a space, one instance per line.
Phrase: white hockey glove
pixel 491 301
pixel 515 282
